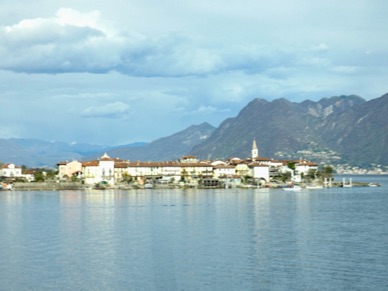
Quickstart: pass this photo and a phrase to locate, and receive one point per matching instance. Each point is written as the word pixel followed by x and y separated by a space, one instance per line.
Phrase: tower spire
pixel 255 150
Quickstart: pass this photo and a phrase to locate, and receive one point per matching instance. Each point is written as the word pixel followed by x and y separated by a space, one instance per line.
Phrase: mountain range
pixel 341 129
pixel 344 129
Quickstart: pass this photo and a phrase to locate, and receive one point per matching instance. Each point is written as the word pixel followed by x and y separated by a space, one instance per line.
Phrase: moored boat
pixel 312 187
pixel 293 188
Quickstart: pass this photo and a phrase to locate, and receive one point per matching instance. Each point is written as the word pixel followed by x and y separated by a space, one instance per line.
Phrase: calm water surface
pixel 257 239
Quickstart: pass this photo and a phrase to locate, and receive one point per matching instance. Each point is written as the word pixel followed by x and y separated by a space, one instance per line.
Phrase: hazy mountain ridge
pixel 38 153
pixel 167 148
pixel 348 125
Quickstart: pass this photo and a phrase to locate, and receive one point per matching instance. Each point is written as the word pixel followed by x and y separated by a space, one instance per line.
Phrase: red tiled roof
pixel 307 163
pixel 257 165
pixel 262 159
pixel 6 166
pixel 90 164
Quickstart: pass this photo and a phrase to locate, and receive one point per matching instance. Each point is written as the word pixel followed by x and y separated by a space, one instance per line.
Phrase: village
pixel 189 172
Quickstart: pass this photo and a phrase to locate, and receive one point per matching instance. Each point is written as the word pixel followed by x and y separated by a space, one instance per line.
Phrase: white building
pixel 100 171
pixel 106 169
pixel 302 167
pixel 165 171
pixel 224 171
pixel 259 172
pixel 11 171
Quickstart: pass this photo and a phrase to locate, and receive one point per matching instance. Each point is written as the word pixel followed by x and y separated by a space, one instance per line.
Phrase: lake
pixel 224 239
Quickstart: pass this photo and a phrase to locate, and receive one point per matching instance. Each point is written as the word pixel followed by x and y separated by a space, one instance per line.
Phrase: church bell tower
pixel 255 150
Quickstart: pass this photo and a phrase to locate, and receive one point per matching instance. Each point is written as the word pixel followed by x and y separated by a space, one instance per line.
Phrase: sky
pixel 122 71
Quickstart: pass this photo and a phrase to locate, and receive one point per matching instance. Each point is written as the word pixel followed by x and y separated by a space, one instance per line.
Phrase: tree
pixel 285 176
pixel 127 177
pixel 184 175
pixel 42 175
pixel 312 174
pixel 291 165
pixel 327 171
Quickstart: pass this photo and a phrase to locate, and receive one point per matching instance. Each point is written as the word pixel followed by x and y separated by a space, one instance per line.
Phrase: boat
pixel 293 188
pixel 313 187
pixel 6 186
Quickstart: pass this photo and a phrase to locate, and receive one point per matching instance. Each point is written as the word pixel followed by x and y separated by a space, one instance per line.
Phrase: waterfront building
pixel 242 169
pixel 259 172
pixel 224 171
pixel 10 171
pixel 106 169
pixel 192 172
pixel 66 170
pixel 302 167
pixel 91 172
pixel 188 169
pixel 120 170
pixel 165 171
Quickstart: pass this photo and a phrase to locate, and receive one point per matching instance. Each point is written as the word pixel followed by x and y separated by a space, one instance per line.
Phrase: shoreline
pixel 66 186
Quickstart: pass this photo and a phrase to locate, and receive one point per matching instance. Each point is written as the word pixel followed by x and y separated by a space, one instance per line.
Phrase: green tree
pixel 312 174
pixel 285 176
pixel 127 177
pixel 291 165
pixel 39 176
pixel 42 175
pixel 327 171
pixel 184 175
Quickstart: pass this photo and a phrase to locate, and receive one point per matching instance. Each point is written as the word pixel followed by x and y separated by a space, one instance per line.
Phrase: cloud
pixel 322 47
pixel 345 69
pixel 170 55
pixel 202 110
pixel 68 42
pixel 180 63
pixel 205 110
pixel 73 41
pixel 111 111
pixel 81 42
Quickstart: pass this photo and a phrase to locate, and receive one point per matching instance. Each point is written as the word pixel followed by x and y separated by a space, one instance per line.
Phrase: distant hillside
pixel 277 125
pixel 360 133
pixel 348 125
pixel 167 148
pixel 38 153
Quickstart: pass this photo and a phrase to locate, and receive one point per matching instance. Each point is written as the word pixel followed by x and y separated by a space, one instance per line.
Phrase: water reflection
pixel 194 239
